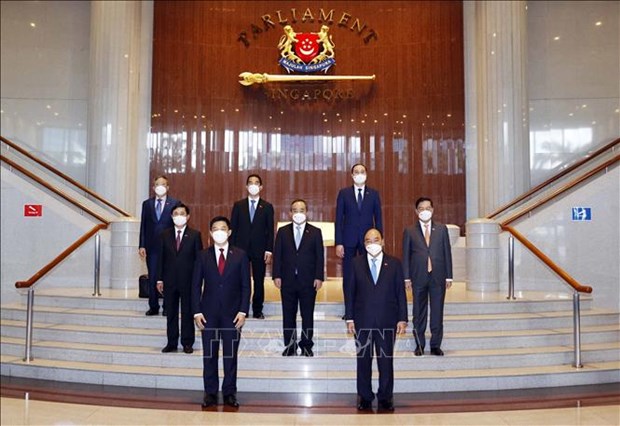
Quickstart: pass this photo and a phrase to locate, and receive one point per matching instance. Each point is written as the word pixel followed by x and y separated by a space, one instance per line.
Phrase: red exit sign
pixel 33 210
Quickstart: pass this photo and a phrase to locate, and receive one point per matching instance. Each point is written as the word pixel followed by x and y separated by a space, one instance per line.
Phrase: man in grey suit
pixel 427 267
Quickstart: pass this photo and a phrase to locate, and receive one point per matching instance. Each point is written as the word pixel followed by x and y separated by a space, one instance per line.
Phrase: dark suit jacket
pixel 150 227
pixel 174 268
pixel 351 223
pixel 308 261
pixel 376 306
pixel 222 296
pixel 416 252
pixel 254 238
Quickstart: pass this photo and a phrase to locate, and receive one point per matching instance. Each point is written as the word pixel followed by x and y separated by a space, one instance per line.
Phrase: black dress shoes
pixel 231 401
pixel 289 352
pixel 170 348
pixel 307 352
pixel 436 351
pixel 364 404
pixel 418 351
pixel 259 316
pixel 386 405
pixel 188 349
pixel 209 401
pixel 151 312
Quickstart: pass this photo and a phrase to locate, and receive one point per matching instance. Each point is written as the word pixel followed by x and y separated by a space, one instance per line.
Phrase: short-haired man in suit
pixel 376 310
pixel 155 218
pixel 427 267
pixel 298 264
pixel 252 226
pixel 220 302
pixel 358 209
pixel 178 250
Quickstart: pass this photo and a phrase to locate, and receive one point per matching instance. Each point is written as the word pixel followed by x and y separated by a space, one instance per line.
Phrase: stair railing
pixel 574 285
pixel 29 284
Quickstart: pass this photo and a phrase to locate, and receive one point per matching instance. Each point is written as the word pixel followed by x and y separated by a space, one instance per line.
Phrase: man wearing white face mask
pixel 252 221
pixel 298 263
pixel 220 302
pixel 376 310
pixel 178 250
pixel 358 209
pixel 427 268
pixel 155 218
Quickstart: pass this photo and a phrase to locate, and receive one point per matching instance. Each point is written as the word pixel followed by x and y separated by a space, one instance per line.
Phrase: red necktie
pixel 221 263
pixel 178 240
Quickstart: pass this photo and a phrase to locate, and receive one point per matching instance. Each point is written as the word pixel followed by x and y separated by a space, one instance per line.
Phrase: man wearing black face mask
pixel 427 267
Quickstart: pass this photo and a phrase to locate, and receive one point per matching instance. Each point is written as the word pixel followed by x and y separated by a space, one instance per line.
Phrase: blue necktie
pixel 373 270
pixel 298 237
pixel 252 210
pixel 158 208
pixel 359 198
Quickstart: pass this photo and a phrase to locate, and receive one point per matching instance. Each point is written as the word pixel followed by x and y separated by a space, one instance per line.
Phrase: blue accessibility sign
pixel 582 214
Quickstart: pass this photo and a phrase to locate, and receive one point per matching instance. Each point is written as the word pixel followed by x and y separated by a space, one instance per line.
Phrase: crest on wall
pixel 306 52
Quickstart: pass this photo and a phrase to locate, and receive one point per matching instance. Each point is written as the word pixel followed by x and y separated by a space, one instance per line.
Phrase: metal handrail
pixel 576 287
pixel 556 177
pixel 64 176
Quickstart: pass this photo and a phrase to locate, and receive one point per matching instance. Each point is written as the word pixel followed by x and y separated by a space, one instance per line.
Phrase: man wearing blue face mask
pixel 298 263
pixel 220 303
pixel 427 268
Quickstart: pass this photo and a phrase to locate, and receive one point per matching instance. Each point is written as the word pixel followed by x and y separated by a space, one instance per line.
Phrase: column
pixel 482 255
pixel 119 100
pixel 125 264
pixel 497 140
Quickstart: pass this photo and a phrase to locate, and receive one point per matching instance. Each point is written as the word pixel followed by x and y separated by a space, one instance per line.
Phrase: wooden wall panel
pixel 209 132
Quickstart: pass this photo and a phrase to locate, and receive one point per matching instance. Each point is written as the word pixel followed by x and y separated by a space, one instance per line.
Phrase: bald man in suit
pixel 427 268
pixel 376 310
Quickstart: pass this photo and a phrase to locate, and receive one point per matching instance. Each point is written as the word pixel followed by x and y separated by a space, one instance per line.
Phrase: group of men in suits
pixel 213 285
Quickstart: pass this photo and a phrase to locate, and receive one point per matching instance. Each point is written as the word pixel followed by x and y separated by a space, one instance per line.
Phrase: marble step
pixel 462 322
pixel 81 299
pixel 342 360
pixel 260 340
pixel 313 381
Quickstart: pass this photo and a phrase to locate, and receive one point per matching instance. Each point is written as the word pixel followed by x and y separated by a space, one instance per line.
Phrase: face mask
pixel 219 237
pixel 299 218
pixel 179 220
pixel 253 189
pixel 374 249
pixel 425 215
pixel 160 190
pixel 359 179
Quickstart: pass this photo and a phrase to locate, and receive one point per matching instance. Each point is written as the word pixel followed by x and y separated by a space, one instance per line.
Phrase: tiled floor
pixel 29 412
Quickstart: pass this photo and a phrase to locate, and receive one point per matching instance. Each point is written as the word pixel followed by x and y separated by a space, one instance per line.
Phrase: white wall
pixel 588 251
pixel 44 79
pixel 29 243
pixel 573 80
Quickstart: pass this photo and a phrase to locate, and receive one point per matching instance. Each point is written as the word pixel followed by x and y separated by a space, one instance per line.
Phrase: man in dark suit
pixel 220 302
pixel 376 310
pixel 252 230
pixel 298 264
pixel 156 216
pixel 427 266
pixel 358 208
pixel 178 250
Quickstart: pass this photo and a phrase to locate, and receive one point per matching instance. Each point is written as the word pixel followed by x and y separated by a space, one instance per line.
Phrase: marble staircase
pixel 490 343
